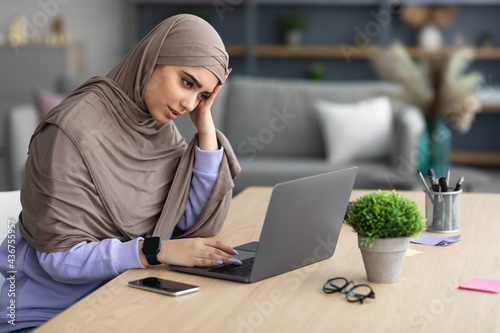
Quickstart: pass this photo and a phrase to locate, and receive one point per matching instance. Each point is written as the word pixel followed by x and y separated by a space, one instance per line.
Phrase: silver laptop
pixel 301 227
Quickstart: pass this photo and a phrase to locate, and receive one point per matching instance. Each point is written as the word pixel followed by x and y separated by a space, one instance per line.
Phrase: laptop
pixel 301 227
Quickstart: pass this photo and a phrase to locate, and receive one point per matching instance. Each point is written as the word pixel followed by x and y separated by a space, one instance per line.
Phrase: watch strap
pixel 151 248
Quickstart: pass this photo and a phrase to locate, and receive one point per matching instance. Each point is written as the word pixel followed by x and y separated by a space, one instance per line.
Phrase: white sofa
pixel 245 109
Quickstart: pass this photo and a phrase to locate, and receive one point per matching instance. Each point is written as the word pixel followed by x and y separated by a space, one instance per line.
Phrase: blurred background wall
pixel 103 28
pixel 98 33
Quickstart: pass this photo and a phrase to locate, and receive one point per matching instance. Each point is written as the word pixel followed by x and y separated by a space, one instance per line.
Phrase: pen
pixel 435 186
pixel 443 183
pixel 433 180
pixel 448 177
pixel 432 176
pixel 459 183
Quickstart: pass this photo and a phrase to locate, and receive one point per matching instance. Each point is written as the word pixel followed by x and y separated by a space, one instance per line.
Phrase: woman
pixel 109 182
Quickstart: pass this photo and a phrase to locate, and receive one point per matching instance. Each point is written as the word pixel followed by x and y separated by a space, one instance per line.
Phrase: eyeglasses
pixel 353 292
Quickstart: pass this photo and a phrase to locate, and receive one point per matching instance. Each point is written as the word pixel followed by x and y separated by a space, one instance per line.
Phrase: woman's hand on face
pixel 202 119
pixel 196 252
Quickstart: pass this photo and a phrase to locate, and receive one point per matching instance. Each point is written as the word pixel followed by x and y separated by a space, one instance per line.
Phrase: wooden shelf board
pixel 490 108
pixel 332 51
pixel 483 53
pixel 476 158
pixel 312 51
pixel 235 50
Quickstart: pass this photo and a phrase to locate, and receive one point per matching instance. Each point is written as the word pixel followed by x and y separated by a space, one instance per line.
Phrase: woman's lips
pixel 172 114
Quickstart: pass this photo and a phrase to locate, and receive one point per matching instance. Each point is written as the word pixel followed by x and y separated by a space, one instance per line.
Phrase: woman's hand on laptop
pixel 196 252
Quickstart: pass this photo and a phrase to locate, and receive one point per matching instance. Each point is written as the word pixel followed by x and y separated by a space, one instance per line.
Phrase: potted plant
pixel 317 71
pixel 293 24
pixel 384 222
pixel 486 39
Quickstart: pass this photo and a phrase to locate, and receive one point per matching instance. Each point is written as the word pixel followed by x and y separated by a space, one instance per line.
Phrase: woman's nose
pixel 190 102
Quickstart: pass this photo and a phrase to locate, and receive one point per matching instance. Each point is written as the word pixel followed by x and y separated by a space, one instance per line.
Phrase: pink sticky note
pixel 489 286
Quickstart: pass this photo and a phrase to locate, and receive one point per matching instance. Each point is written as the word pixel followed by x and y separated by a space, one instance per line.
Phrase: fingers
pixel 226 76
pixel 214 260
pixel 196 252
pixel 219 87
pixel 220 246
pixel 217 253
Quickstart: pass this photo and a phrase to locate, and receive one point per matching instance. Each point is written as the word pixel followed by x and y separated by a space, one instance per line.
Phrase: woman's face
pixel 175 90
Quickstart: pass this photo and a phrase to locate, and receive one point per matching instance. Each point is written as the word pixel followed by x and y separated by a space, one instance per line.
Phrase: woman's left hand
pixel 202 119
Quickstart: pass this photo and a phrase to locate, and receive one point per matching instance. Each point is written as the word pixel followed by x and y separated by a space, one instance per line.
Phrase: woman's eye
pixel 187 83
pixel 203 97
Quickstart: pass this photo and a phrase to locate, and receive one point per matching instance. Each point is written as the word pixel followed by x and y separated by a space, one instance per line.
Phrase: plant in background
pixel 486 39
pixel 438 86
pixel 384 215
pixel 294 21
pixel 317 71
pixel 293 24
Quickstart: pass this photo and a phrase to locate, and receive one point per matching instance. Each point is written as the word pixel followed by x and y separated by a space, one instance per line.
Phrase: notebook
pixel 301 227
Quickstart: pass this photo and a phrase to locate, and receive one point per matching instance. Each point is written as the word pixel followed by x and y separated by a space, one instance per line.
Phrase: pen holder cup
pixel 442 211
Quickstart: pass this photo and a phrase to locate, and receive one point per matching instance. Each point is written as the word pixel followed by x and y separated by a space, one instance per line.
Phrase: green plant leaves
pixel 384 214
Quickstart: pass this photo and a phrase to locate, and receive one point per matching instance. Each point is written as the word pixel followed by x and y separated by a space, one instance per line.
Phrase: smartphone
pixel 163 286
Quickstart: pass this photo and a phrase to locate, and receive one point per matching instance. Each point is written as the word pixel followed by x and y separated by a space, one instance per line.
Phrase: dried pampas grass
pixel 437 85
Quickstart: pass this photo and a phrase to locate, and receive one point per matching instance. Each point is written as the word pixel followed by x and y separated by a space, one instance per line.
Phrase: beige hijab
pixel 126 152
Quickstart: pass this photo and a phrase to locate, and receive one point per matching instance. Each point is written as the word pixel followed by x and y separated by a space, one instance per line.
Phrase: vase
pixel 430 37
pixel 384 260
pixel 435 147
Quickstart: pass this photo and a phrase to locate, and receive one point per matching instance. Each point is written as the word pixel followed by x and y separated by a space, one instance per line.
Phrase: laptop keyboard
pixel 236 270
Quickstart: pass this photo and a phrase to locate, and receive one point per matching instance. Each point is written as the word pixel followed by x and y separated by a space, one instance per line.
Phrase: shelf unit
pixel 252 52
pixel 482 158
pixel 327 51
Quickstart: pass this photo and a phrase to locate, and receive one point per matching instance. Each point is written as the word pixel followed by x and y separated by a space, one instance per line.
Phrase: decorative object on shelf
pixel 486 39
pixel 384 222
pixel 430 21
pixel 17 31
pixel 430 37
pixel 438 86
pixel 317 71
pixel 293 25
pixel 58 34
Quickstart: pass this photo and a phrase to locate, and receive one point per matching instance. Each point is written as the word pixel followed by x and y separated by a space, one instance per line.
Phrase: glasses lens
pixel 359 293
pixel 334 285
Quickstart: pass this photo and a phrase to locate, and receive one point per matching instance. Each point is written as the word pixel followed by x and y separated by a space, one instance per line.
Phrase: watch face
pixel 151 245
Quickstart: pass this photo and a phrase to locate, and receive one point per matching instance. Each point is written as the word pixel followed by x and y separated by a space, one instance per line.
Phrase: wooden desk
pixel 426 298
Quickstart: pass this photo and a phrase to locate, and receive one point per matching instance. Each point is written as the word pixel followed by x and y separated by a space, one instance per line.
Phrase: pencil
pixel 425 186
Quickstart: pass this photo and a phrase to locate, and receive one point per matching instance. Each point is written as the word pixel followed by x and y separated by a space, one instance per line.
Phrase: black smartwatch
pixel 151 248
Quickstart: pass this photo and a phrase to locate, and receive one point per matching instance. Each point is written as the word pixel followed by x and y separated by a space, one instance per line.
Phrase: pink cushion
pixel 46 101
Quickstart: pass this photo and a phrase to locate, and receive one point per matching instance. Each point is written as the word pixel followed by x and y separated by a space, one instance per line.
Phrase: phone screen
pixel 163 286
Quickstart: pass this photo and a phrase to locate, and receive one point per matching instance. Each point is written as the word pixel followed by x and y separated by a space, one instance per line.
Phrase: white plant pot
pixel 294 37
pixel 384 260
pixel 430 37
